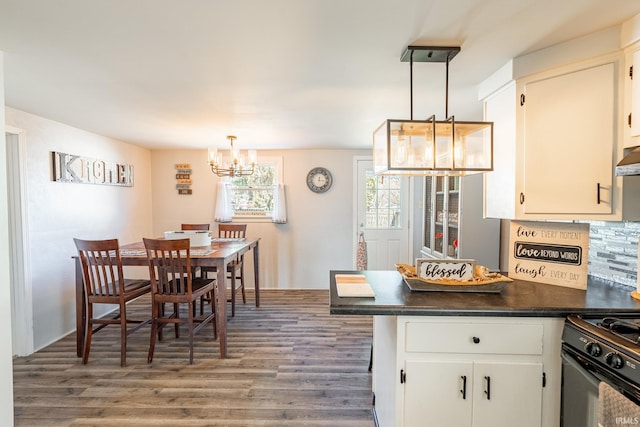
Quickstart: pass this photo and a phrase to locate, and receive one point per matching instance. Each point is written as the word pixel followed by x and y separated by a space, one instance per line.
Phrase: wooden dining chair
pixel 185 227
pixel 235 269
pixel 104 283
pixel 173 284
pixel 195 227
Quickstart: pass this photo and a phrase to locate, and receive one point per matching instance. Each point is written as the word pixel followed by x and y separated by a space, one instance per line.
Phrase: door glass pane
pixel 383 201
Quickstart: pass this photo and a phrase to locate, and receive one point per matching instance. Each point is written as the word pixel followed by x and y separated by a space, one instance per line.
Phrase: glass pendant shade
pixel 430 147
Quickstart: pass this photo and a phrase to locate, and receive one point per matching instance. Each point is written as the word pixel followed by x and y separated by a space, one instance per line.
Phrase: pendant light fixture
pixel 235 166
pixel 431 147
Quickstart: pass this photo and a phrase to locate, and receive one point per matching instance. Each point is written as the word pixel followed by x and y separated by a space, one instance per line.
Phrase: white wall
pixel 318 237
pixel 6 364
pixel 58 212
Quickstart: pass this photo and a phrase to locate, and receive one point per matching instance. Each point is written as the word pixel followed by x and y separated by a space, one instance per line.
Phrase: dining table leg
pixel 221 307
pixel 256 274
pixel 81 313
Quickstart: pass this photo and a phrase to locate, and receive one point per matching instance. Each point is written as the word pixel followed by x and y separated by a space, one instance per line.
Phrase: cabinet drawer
pixel 475 338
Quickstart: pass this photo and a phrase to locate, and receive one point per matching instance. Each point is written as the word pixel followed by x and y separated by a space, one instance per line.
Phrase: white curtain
pixel 279 214
pixel 224 208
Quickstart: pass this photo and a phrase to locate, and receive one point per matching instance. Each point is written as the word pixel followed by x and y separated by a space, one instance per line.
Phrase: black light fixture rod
pixel 411 83
pixel 446 93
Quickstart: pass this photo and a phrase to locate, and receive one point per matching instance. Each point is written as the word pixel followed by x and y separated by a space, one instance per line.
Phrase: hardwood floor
pixel 290 364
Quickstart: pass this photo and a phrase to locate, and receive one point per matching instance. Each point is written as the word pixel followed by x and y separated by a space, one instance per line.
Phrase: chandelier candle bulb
pixel 253 157
pixel 213 155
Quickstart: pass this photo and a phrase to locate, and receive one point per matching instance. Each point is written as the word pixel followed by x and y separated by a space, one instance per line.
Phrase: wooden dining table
pixel 218 255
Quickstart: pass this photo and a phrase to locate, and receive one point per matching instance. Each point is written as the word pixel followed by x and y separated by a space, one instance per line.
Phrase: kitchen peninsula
pixel 506 345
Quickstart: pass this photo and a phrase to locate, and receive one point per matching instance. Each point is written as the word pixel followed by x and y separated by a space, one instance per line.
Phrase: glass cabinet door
pixel 441 216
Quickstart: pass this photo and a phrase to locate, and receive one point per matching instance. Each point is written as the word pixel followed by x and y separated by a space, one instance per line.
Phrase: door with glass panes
pixel 382 217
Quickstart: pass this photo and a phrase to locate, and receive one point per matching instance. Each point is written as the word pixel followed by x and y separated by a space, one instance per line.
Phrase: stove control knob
pixel 593 349
pixel 614 360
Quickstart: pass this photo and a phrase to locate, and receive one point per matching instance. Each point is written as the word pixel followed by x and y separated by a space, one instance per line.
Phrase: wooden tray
pixel 422 285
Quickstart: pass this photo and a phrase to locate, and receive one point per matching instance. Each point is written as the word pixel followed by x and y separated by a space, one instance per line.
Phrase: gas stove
pixel 611 342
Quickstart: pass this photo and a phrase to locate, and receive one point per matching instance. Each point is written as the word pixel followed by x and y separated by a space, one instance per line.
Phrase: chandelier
pixel 235 166
pixel 431 147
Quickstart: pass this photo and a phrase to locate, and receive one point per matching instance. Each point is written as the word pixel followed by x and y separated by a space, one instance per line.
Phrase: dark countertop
pixel 519 298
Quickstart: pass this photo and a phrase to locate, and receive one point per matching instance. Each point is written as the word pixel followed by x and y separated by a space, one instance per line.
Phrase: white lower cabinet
pixel 467 371
pixel 478 394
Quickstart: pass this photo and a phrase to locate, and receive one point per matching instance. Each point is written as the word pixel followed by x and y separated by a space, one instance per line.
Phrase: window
pixel 254 195
pixel 383 201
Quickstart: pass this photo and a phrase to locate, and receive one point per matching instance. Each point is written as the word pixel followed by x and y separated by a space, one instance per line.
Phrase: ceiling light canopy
pixel 234 166
pixel 432 147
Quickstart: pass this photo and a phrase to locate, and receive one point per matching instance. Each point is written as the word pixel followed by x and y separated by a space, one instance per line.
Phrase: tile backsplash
pixel 613 252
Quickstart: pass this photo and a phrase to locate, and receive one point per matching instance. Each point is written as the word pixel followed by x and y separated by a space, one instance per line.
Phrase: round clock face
pixel 319 180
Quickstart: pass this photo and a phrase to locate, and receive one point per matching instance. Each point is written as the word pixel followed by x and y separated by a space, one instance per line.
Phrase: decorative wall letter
pixel 84 170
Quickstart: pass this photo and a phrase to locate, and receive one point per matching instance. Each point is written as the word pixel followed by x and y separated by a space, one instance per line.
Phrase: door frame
pixel 20 259
pixel 408 209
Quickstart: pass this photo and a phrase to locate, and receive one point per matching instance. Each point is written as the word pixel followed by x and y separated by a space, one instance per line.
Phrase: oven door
pixel 580 381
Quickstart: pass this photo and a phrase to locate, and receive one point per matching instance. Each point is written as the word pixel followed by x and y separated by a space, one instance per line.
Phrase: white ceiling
pixel 278 73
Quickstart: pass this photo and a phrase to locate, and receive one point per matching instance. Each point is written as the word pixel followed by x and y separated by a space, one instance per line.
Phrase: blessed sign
pixel 432 269
pixel 552 253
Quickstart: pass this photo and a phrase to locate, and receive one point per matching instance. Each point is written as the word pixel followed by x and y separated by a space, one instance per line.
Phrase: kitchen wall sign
pixel 84 170
pixel 552 253
pixel 183 178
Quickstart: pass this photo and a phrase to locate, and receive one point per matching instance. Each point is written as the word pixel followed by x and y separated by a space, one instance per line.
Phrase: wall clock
pixel 319 180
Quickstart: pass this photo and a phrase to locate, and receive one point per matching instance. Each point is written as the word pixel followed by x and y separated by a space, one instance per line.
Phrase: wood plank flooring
pixel 289 364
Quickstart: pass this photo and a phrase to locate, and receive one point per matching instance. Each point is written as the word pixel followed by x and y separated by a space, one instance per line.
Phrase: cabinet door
pixel 568 135
pixel 635 95
pixel 435 393
pixel 507 394
pixel 500 185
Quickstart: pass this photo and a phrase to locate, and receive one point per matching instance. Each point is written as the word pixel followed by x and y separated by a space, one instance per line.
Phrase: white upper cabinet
pixel 558 134
pixel 631 44
pixel 500 185
pixel 633 118
pixel 567 125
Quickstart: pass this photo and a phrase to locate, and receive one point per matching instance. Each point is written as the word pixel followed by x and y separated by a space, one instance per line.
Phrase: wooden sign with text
pixel 183 178
pixel 552 253
pixel 450 269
